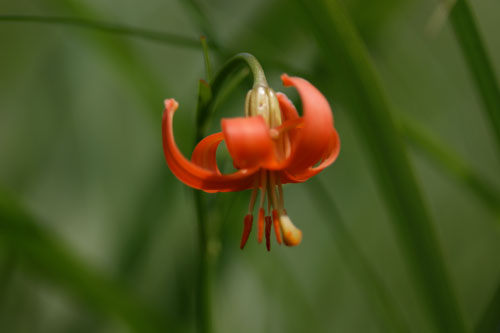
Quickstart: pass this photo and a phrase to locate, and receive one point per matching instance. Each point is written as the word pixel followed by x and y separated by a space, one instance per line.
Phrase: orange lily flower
pixel 271 146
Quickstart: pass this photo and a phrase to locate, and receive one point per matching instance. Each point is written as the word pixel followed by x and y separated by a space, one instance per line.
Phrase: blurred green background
pixel 97 235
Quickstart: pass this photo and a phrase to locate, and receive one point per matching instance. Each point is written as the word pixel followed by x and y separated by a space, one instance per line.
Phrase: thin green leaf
pixel 8 262
pixel 490 320
pixel 113 28
pixel 202 109
pixel 374 288
pixel 349 62
pixel 206 57
pixel 145 221
pixel 197 13
pixel 40 252
pixel 121 56
pixel 453 165
pixel 478 62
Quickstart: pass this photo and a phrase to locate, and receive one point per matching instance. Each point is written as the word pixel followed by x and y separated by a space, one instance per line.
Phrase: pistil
pixel 262 101
pixel 262 212
pixel 248 221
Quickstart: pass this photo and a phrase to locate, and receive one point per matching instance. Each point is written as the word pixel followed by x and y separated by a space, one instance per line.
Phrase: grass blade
pixel 144 223
pixel 115 29
pixel 199 18
pixel 370 282
pixel 45 255
pixel 478 62
pixel 122 56
pixel 453 165
pixel 490 321
pixel 349 61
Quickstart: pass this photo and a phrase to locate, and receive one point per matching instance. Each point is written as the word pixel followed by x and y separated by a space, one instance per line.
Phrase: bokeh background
pixel 98 236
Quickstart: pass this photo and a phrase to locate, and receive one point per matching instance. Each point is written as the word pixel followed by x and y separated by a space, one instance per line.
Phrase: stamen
pixel 262 213
pixel 263 187
pixel 280 196
pixel 247 228
pixel 247 223
pixel 260 225
pixel 268 232
pixel 274 109
pixel 276 222
pixel 272 191
pixel 253 198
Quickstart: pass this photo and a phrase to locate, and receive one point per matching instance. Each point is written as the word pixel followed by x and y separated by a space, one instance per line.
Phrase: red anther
pixel 260 225
pixel 269 222
pixel 247 227
pixel 276 222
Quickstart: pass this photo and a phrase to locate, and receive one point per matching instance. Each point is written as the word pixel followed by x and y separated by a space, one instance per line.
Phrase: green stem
pixel 232 71
pixel 371 113
pixel 259 78
pixel 206 100
pixel 478 62
pixel 207 95
pixel 203 290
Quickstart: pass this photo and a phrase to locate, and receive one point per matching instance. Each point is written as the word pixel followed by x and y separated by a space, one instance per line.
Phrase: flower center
pixel 270 186
pixel 262 101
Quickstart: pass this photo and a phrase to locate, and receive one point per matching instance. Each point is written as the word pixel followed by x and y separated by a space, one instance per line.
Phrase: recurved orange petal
pixel 329 157
pixel 288 110
pixel 312 140
pixel 192 174
pixel 248 141
pixel 205 152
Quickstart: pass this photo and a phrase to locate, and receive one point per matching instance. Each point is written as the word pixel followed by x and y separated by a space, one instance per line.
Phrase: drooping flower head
pixel 272 145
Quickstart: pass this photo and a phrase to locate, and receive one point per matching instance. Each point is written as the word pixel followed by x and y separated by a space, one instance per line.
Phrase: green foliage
pixel 372 114
pixel 42 254
pixel 478 62
pixel 105 238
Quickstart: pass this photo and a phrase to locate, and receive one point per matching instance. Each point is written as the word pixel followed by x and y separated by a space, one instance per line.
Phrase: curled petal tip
pixel 286 80
pixel 171 104
pixel 282 97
